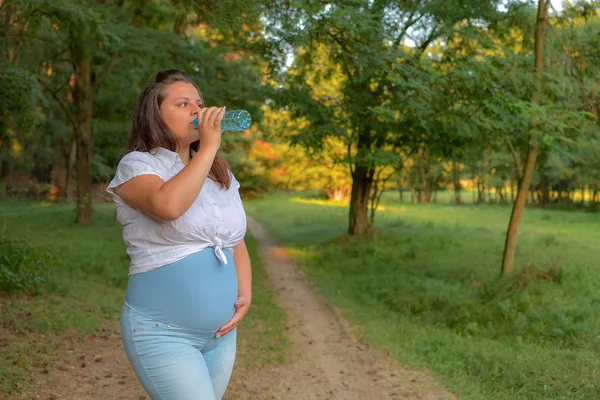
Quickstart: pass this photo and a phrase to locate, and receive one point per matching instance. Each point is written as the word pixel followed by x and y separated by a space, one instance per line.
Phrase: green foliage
pixel 23 268
pixel 19 89
pixel 433 85
pixel 250 173
pixel 36 51
pixel 386 80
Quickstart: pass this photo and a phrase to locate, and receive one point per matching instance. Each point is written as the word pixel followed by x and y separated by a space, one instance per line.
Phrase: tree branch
pixel 407 26
pixel 105 71
pixel 349 148
pixel 516 157
pixel 343 46
pixel 68 114
pixel 376 198
pixel 432 36
pixel 21 35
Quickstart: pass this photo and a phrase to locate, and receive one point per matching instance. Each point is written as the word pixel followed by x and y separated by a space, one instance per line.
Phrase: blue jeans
pixel 176 363
pixel 168 326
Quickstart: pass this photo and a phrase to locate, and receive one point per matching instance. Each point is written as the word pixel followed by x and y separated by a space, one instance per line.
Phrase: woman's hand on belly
pixel 242 305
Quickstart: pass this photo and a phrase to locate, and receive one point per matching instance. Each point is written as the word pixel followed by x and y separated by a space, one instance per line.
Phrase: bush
pixel 22 184
pixel 23 268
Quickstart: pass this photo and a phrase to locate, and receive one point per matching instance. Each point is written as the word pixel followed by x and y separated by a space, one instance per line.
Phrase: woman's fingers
pixel 241 306
pixel 208 116
pixel 211 117
pixel 241 301
pixel 219 118
pixel 209 131
pixel 228 327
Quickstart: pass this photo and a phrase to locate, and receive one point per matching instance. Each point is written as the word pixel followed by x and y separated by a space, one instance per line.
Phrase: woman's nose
pixel 195 109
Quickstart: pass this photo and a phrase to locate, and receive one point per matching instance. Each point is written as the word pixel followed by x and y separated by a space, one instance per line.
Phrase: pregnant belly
pixel 197 292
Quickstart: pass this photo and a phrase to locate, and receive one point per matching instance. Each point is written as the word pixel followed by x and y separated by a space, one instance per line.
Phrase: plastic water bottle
pixel 233 120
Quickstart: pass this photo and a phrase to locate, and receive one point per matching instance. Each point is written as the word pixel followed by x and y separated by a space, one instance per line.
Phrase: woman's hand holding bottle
pixel 209 127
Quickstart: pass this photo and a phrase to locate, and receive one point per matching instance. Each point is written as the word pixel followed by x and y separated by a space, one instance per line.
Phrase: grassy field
pixel 426 288
pixel 85 275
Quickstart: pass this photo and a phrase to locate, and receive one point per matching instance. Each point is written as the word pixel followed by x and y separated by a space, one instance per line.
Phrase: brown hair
pixel 148 130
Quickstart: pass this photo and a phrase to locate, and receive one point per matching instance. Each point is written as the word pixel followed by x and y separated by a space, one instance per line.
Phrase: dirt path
pixel 326 362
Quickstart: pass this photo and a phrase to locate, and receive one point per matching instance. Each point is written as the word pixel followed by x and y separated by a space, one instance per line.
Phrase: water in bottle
pixel 233 120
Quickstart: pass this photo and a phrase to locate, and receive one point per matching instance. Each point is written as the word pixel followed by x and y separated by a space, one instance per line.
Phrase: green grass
pixel 426 288
pixel 262 338
pixel 85 279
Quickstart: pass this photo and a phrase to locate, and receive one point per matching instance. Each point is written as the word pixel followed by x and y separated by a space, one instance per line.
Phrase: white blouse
pixel 215 219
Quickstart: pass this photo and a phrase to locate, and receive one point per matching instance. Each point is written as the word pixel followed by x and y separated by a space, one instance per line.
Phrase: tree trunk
pixel 71 187
pixel 362 182
pixel 374 200
pixel 512 191
pixel 531 195
pixel 483 183
pixel 545 195
pixel 3 142
pixel 61 168
pixel 456 182
pixel 410 186
pixel 401 191
pixel 500 193
pixel 516 159
pixel 480 189
pixel 83 99
pixel 508 260
pixel 425 196
pixel 401 185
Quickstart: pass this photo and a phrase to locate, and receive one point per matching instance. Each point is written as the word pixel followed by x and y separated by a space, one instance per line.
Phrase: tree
pixel 512 233
pixel 87 40
pixel 92 38
pixel 555 111
pixel 383 107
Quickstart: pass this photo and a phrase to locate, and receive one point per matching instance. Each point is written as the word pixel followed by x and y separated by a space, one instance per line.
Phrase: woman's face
pixel 178 110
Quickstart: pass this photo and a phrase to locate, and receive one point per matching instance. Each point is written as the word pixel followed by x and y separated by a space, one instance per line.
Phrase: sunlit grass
pixel 426 287
pixel 328 203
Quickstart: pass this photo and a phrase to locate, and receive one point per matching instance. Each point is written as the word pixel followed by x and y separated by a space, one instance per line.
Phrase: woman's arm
pixel 243 269
pixel 169 200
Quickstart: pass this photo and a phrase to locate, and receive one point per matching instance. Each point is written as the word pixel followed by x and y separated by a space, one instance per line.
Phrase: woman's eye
pixel 182 104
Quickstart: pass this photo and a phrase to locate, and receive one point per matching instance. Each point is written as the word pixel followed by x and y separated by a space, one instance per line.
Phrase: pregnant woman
pixel 184 227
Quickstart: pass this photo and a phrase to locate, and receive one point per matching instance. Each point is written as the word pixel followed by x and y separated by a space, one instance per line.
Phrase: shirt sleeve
pixel 131 165
pixel 234 182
